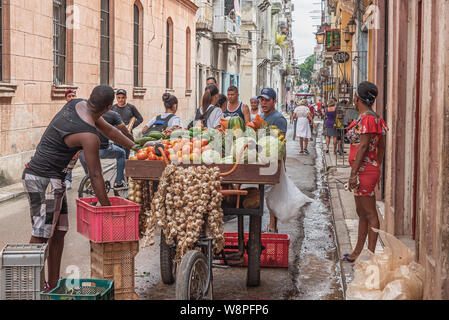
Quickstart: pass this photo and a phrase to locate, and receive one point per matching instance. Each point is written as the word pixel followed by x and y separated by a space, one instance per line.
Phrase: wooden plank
pixel 244 174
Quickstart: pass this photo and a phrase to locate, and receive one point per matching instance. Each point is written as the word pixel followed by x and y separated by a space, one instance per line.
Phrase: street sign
pixel 341 57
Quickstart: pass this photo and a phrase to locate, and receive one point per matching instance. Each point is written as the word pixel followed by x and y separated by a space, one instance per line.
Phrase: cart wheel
pixel 168 267
pixel 254 251
pixel 191 279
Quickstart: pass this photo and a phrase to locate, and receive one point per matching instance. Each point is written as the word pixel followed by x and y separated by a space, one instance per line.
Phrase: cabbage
pixel 272 149
pixel 210 157
pixel 228 160
pixel 249 156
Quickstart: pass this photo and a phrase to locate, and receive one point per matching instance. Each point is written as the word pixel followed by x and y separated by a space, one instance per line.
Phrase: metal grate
pixel 104 42
pixel 136 45
pixel 59 41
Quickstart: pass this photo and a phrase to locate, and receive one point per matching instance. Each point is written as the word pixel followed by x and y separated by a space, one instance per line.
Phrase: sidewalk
pixel 343 208
pixel 16 190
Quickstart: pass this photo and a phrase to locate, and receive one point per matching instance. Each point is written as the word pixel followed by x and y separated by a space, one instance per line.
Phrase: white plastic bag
pixel 391 275
pixel 285 199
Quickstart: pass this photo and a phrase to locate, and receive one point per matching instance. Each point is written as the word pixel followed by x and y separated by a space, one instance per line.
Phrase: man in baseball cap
pixel 273 117
pixel 126 111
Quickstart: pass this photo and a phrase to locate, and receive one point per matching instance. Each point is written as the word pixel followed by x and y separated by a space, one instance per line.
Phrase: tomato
pixel 204 142
pixel 205 148
pixel 151 156
pixel 142 156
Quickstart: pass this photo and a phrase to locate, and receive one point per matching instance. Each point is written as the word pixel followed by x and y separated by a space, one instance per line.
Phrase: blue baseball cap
pixel 268 93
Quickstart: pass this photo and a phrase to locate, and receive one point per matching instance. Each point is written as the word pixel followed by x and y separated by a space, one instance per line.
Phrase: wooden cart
pixel 244 174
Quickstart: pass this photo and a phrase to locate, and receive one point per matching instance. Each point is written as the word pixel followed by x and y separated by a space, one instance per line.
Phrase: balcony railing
pixel 224 24
pixel 204 16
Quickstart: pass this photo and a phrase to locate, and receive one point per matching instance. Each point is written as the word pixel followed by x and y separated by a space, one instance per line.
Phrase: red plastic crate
pixel 274 249
pixel 117 223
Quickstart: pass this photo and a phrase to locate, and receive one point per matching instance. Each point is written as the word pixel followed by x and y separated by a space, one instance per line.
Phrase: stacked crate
pixel 115 261
pixel 114 241
pixel 23 271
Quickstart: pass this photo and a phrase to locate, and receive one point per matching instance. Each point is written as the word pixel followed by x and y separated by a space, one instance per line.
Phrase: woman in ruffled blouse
pixel 367 137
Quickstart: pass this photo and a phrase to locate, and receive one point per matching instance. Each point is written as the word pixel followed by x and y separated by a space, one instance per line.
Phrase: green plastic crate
pixel 81 289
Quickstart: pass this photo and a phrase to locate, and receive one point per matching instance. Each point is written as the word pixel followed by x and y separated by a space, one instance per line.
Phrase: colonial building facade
pixel 143 46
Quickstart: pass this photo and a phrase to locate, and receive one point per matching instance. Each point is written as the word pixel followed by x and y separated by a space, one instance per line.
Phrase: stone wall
pixel 28 63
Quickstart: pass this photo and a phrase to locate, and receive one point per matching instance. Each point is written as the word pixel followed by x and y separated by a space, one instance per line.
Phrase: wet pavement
pixel 314 269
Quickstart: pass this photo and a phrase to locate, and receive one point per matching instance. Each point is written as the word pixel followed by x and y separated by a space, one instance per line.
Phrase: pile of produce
pixel 185 197
pixel 210 146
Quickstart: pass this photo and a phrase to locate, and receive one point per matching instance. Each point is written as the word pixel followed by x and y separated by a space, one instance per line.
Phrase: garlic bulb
pixel 187 200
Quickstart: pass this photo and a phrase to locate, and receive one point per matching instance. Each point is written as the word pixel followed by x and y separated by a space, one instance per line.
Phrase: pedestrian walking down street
pixel 330 113
pixel 74 129
pixel 273 117
pixel 255 109
pixel 302 116
pixel 367 136
pixel 127 111
pixel 70 94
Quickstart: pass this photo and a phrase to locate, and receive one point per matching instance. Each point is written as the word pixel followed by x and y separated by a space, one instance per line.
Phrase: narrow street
pixel 313 271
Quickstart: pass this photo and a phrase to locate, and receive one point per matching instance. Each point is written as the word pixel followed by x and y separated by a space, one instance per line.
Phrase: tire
pixel 168 267
pixel 85 189
pixel 193 265
pixel 254 251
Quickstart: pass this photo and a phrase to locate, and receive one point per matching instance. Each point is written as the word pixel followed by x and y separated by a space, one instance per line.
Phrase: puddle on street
pixel 319 273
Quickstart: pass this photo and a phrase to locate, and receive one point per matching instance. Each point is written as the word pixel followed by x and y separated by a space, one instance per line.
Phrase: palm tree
pixel 280 40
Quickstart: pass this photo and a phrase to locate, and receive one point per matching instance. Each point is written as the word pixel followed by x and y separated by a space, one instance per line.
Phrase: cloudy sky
pixel 303 27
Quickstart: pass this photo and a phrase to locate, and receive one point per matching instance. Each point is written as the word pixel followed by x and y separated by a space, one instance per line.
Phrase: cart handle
pixel 164 156
pixel 225 174
pixel 226 193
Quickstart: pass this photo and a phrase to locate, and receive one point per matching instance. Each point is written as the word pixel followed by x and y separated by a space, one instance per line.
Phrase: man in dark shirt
pixel 127 111
pixel 74 129
pixel 110 151
pixel 273 117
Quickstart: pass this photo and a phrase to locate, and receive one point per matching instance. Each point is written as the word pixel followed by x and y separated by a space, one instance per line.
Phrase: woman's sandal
pixel 346 259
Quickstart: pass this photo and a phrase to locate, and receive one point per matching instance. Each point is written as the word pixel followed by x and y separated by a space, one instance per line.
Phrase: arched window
pixel 138 37
pixel 105 42
pixel 169 55
pixel 59 41
pixel 188 57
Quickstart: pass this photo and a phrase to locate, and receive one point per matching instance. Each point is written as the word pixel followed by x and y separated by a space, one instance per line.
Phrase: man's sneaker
pixel 119 186
pixel 68 185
